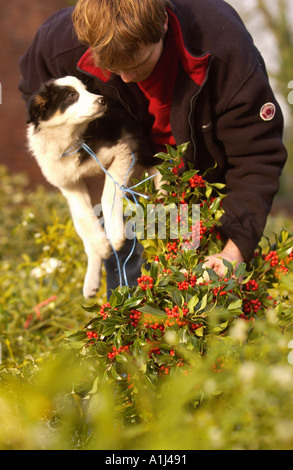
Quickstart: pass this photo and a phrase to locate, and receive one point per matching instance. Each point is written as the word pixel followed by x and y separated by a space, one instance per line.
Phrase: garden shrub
pixel 181 312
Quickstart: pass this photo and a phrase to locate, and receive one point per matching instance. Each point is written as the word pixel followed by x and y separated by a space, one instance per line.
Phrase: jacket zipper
pixel 191 126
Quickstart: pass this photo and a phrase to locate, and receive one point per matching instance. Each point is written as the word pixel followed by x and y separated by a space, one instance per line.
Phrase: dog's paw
pixel 92 280
pixel 90 290
pixel 89 293
pixel 101 248
pixel 118 244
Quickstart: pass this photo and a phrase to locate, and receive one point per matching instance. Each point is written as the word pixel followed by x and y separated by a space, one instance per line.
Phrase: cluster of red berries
pixel 164 370
pixel 190 281
pixel 197 181
pixel 180 363
pixel 154 351
pixel 151 322
pixel 189 245
pixel 116 351
pixel 244 317
pixel 172 249
pixel 183 285
pixel 92 335
pixel 273 257
pixel 221 289
pixel 185 310
pixel 145 282
pixel 175 313
pixel 251 286
pixel 183 211
pixel 182 196
pixel 174 318
pixel 167 271
pixel 102 310
pixel 218 234
pixel 281 269
pixel 135 317
pixel 251 305
pixel 198 231
pixel 195 326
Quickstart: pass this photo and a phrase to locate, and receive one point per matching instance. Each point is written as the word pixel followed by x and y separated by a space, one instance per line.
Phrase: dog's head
pixel 64 100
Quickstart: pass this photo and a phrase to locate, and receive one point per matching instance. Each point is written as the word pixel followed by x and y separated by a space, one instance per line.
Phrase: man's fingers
pixel 220 270
pixel 215 263
pixel 208 264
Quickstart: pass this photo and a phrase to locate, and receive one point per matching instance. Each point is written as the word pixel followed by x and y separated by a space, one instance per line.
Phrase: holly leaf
pixel 235 305
pixel 152 310
pixel 192 303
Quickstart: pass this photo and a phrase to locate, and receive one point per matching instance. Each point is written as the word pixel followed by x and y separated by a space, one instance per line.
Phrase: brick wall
pixel 19 21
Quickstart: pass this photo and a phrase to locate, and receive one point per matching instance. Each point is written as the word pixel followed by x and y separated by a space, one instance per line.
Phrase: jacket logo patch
pixel 268 111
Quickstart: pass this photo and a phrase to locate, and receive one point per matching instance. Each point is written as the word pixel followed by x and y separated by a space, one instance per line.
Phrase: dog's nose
pixel 101 100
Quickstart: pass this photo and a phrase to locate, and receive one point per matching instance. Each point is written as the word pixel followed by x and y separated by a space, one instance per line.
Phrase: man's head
pixel 126 36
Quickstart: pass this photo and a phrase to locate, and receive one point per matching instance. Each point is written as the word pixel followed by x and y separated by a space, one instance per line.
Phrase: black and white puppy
pixel 61 116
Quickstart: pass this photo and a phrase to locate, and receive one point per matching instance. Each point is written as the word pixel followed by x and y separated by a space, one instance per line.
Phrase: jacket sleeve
pixel 54 53
pixel 34 64
pixel 255 158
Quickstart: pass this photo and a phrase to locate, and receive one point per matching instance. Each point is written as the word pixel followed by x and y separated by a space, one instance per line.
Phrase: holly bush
pixel 183 360
pixel 179 308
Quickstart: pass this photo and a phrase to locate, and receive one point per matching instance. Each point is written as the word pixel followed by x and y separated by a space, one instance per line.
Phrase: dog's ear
pixel 40 103
pixel 37 106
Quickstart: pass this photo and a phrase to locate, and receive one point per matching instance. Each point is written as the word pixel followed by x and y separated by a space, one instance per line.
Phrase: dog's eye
pixel 72 95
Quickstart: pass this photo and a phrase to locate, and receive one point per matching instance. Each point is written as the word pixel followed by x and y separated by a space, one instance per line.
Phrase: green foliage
pixel 185 360
pixel 42 265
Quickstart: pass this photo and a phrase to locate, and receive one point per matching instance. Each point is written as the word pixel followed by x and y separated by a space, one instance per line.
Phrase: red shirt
pixel 158 89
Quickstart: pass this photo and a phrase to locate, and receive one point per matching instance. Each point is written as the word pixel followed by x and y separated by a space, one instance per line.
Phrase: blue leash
pixel 124 190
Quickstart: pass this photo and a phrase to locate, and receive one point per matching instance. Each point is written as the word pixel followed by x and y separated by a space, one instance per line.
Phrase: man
pixel 188 69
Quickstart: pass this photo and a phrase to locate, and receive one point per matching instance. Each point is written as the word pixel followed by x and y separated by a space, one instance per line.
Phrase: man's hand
pixel 230 253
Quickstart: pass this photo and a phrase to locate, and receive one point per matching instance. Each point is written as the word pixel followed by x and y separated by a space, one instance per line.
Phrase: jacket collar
pixel 195 66
pixel 87 65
